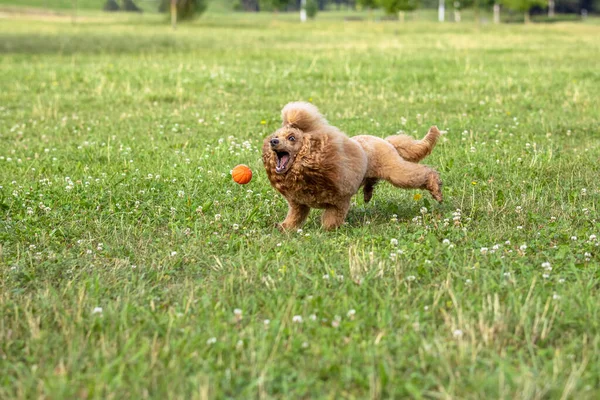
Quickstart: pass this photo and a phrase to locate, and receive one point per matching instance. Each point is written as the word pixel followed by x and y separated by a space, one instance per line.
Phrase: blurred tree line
pixel 393 6
pixel 187 9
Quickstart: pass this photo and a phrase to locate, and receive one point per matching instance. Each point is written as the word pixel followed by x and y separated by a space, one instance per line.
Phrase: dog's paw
pixel 434 185
pixel 283 228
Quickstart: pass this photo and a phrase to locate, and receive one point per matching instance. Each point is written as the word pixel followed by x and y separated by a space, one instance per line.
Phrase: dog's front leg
pixel 335 216
pixel 296 215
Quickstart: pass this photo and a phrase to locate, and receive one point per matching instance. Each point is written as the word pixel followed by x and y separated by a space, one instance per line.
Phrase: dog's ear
pixel 303 116
pixel 313 148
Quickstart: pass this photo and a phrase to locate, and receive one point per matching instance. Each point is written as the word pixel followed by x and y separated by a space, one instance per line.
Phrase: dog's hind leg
pixel 409 175
pixel 368 189
pixel 335 215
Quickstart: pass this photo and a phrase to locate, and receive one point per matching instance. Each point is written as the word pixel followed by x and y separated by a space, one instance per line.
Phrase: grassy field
pixel 131 266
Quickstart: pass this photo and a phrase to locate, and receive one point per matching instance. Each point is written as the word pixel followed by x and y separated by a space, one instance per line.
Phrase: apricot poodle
pixel 314 164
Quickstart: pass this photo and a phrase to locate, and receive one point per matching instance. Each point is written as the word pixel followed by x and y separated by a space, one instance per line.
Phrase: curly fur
pixel 315 165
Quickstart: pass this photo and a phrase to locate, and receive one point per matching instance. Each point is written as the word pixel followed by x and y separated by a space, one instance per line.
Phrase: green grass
pixel 117 136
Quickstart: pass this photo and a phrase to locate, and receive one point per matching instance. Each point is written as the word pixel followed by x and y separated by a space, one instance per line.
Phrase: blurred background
pixel 483 11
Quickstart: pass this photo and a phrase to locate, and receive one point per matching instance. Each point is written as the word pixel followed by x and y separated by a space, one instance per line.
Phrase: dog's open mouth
pixel 283 159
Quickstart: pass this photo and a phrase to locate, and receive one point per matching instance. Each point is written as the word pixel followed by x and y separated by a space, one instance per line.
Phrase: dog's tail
pixel 302 115
pixel 415 150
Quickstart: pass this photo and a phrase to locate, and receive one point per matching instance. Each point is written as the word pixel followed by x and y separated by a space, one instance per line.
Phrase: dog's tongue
pixel 284 160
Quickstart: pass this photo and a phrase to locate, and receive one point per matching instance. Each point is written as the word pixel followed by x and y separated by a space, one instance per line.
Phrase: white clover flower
pixel 583 191
pixel 507 243
pixel 336 321
pixel 326 277
pixel 506 274
pixel 555 296
pixel 297 319
pixel 97 310
pixel 546 266
pixel 304 345
pixel 468 281
pixel 483 250
pixel 545 276
pixel 299 231
pixel 313 317
pixel 519 227
pixel 495 247
pixel 393 256
pixel 351 313
pixel 340 277
pixel 592 238
pixel 217 217
pixel 236 227
pixel 237 312
pixel 212 340
pixel 411 278
pixel 266 322
pixel 423 210
pixel 518 209
pixel 394 242
pixel 523 247
pixel 457 333
pixel 561 280
pixel 446 242
pixel 173 253
pixel 573 238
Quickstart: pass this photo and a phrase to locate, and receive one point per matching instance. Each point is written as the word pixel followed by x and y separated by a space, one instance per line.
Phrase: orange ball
pixel 241 174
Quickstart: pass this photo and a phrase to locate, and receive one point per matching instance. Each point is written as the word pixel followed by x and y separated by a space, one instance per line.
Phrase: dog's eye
pixel 291 138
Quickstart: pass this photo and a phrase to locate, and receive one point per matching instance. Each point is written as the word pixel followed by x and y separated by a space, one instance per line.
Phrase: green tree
pixel 126 5
pixel 523 6
pixel 129 5
pixel 274 5
pixel 368 4
pixel 111 5
pixel 185 9
pixel 399 7
pixel 311 8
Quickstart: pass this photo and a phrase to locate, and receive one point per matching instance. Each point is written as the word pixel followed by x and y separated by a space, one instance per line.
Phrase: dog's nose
pixel 274 142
